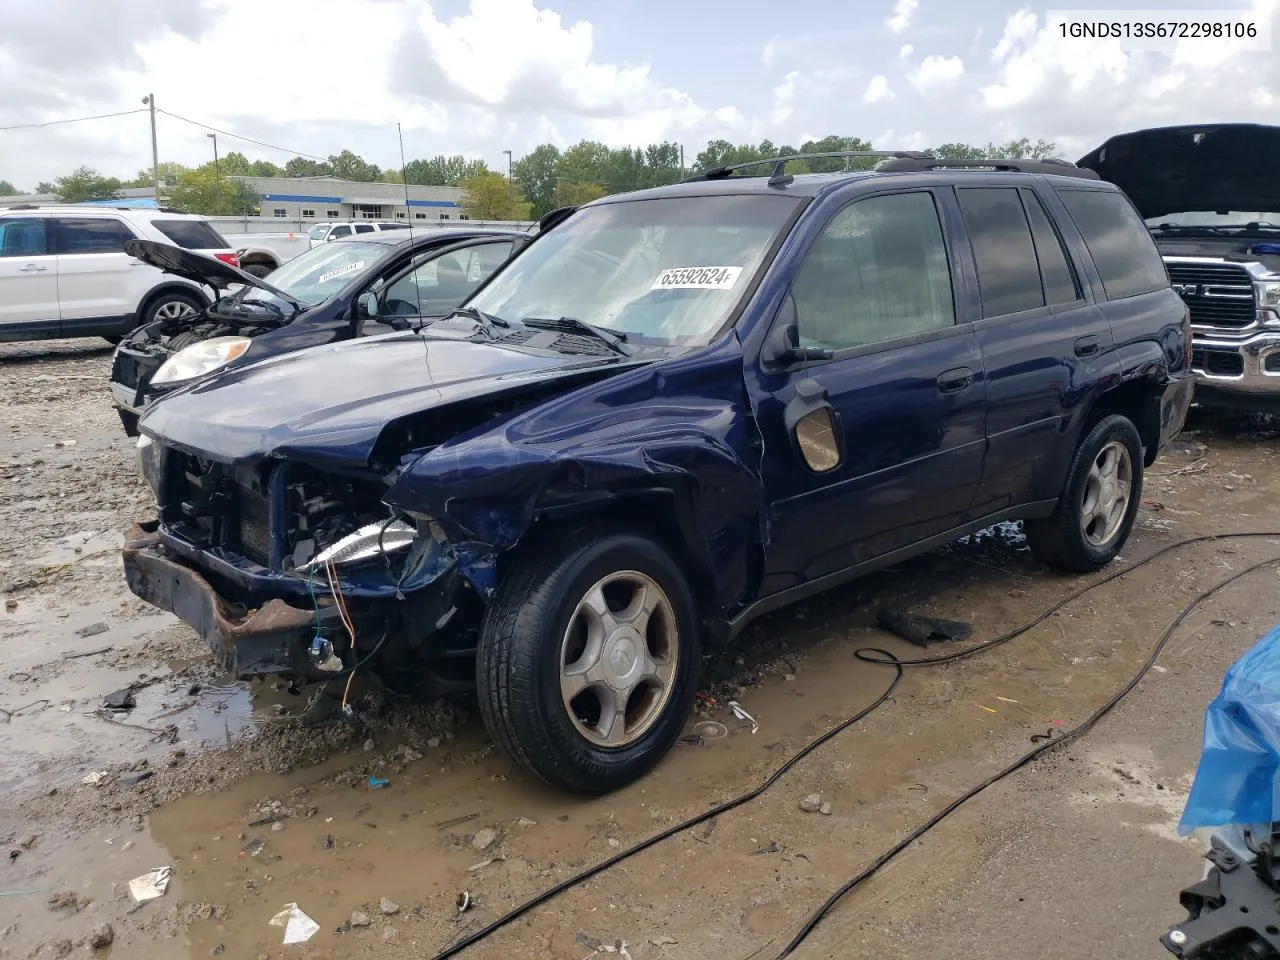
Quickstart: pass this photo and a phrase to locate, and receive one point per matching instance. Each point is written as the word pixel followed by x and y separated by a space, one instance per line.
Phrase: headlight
pixel 369 541
pixel 149 462
pixel 200 358
pixel 1268 292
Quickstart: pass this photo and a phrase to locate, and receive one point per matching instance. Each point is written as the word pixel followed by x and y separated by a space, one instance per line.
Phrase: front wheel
pixel 588 657
pixel 1098 504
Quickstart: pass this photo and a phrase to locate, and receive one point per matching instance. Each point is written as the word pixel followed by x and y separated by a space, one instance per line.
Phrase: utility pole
pixel 682 161
pixel 217 173
pixel 150 101
pixel 508 153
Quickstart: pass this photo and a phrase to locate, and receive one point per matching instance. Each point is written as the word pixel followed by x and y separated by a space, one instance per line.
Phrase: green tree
pixel 44 186
pixel 85 183
pixel 535 173
pixel 7 189
pixel 200 191
pixel 302 167
pixel 1024 149
pixel 264 168
pixel 491 196
pixel 443 171
pixel 576 194
pixel 351 166
pixel 662 163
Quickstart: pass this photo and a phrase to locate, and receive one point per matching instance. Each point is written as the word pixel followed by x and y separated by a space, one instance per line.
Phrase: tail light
pixel 1186 333
pixel 230 259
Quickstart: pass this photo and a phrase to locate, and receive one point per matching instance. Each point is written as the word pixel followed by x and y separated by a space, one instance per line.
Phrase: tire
pixel 170 305
pixel 258 269
pixel 525 639
pixel 1075 539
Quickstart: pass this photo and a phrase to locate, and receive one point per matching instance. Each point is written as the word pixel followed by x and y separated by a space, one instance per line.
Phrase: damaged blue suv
pixel 680 409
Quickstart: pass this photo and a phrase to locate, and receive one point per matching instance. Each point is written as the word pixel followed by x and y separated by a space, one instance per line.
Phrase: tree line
pixel 542 180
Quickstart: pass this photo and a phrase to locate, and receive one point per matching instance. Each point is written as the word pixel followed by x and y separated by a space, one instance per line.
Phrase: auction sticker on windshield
pixel 697 278
pixel 341 271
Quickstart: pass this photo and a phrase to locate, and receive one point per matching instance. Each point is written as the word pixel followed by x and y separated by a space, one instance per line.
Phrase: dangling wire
pixel 336 588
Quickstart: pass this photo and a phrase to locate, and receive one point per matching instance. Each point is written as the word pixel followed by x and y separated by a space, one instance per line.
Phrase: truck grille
pixel 1219 294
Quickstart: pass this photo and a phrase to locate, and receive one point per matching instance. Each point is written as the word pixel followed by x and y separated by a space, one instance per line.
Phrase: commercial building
pixel 303 199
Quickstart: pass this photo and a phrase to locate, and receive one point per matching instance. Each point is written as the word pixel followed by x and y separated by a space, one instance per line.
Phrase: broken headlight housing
pixel 372 540
pixel 199 359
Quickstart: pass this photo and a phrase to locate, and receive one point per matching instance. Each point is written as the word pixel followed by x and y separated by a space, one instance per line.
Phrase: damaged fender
pixel 677 440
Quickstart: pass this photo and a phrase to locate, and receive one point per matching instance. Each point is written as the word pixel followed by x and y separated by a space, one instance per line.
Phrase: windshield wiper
pixel 1187 228
pixel 613 339
pixel 471 313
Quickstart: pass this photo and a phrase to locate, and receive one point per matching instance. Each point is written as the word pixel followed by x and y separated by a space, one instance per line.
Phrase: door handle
pixel 953 381
pixel 1086 346
pixel 32 267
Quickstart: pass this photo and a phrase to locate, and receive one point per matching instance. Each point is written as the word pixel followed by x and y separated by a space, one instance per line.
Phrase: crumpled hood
pixel 330 404
pixel 1216 166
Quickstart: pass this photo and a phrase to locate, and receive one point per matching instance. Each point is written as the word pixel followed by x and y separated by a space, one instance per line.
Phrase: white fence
pixel 228 225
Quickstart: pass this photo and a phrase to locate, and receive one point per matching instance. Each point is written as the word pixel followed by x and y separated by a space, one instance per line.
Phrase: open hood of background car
pixel 330 404
pixel 197 267
pixel 1215 166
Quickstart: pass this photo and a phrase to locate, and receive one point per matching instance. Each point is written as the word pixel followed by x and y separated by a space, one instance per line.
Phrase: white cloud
pixel 905 51
pixel 903 11
pixel 784 98
pixel 878 90
pixel 770 53
pixel 936 73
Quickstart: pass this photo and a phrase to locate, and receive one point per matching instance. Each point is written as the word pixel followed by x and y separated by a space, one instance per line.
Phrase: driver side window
pixel 878 272
pixel 443 282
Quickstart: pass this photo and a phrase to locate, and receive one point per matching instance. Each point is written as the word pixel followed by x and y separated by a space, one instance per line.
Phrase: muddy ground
pixel 1075 857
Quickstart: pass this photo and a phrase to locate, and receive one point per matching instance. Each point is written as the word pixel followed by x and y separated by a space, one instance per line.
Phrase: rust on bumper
pixel 270 639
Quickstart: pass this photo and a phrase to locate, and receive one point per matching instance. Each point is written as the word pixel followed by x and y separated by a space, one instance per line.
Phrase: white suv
pixel 64 272
pixel 324 232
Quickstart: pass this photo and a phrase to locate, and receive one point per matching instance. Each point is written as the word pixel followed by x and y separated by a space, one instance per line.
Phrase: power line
pixel 51 123
pixel 236 136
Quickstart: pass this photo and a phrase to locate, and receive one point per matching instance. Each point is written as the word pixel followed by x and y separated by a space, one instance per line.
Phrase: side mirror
pixel 367 307
pixel 783 346
pixel 812 426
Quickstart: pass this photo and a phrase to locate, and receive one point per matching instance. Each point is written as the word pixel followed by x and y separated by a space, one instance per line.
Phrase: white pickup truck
pixel 261 253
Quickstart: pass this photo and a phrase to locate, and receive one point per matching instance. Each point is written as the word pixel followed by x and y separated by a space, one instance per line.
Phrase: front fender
pixel 680 427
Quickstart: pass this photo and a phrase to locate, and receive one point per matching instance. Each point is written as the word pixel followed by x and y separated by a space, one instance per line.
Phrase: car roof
pixel 84 209
pixel 390 237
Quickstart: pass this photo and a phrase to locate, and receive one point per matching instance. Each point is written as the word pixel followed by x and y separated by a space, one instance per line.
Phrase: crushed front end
pixel 284 568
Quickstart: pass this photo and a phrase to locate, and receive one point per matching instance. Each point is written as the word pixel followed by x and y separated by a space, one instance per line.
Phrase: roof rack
pixel 1051 166
pixel 779 177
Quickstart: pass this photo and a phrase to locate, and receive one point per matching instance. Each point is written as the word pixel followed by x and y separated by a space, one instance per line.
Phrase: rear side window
pixel 342 231
pixel 23 237
pixel 1055 271
pixel 364 228
pixel 1122 249
pixel 1008 273
pixel 191 234
pixel 89 235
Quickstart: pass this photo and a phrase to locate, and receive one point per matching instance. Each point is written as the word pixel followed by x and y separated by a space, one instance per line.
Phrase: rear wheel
pixel 588 658
pixel 1099 503
pixel 171 306
pixel 258 269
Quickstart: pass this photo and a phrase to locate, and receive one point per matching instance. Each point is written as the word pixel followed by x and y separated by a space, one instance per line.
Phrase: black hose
pixel 888 659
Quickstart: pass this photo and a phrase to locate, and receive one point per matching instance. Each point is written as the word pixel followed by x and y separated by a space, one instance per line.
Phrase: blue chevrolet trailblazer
pixel 676 411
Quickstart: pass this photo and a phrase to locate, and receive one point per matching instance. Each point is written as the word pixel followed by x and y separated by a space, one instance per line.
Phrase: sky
pixel 478 77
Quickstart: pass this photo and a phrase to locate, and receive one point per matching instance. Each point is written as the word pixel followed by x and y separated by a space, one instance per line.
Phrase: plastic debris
pixel 298 927
pixel 710 730
pixel 376 783
pixel 120 699
pixel 464 902
pixel 743 715
pixel 921 630
pixel 95 779
pixel 150 885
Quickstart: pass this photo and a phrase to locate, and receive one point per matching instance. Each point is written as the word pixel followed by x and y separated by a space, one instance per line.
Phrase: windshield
pixel 318 231
pixel 671 269
pixel 1217 220
pixel 318 274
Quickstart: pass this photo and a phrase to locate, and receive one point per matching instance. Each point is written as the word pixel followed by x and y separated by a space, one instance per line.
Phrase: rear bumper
pixel 1249 367
pixel 272 639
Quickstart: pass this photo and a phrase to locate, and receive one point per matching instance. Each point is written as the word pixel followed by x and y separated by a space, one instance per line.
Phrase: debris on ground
pixel 464 902
pixel 67 900
pixel 298 927
pixel 92 630
pixel 526 822
pixel 812 803
pixel 277 826
pixel 151 884
pixel 360 919
pixel 132 778
pixel 825 809
pixel 96 779
pixel 743 715
pixel 921 630
pixel 121 699
pixel 389 907
pixel 101 936
pixel 484 839
pixel 710 730
pixel 376 783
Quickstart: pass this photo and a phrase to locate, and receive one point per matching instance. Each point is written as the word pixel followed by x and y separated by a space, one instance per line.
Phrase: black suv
pixel 678 410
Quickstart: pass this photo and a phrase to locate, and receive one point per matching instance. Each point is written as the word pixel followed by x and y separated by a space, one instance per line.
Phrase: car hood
pixel 1217 166
pixel 330 404
pixel 196 267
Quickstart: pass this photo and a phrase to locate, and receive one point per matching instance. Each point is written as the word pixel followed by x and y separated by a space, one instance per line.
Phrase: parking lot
pixel 1075 856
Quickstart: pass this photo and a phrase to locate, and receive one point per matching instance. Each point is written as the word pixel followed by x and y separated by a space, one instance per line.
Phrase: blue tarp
pixel 1238 779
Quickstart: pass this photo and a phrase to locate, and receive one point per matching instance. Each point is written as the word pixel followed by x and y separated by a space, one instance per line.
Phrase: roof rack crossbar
pixel 1052 166
pixel 779 175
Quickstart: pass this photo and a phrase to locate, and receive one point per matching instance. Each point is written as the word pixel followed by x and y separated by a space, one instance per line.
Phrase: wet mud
pixel 256 806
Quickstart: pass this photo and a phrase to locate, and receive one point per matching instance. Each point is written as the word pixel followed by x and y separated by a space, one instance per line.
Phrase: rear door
pixel 99 285
pixel 28 280
pixel 1039 336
